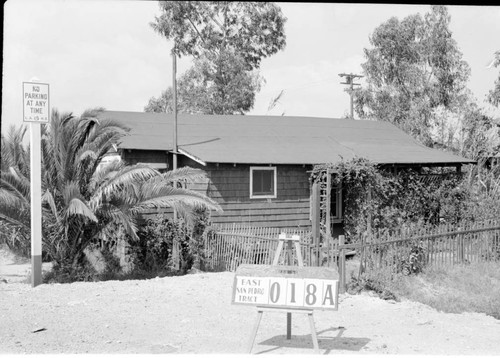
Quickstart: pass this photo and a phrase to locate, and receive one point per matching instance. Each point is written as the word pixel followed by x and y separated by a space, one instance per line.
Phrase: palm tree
pixel 14 191
pixel 83 201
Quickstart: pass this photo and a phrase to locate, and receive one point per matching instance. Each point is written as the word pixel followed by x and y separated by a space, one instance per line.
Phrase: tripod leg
pixel 313 333
pixel 254 332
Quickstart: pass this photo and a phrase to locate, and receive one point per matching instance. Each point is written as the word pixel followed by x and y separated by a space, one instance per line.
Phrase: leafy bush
pixel 413 263
pixel 81 198
pixel 17 239
pixel 66 273
pixel 153 252
pixel 112 270
pixel 196 247
pixel 392 201
pixel 484 187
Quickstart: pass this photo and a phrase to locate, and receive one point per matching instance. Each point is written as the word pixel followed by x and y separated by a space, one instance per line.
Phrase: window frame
pixel 265 196
pixel 337 191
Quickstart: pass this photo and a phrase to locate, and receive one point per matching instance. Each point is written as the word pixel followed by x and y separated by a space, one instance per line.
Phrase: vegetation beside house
pixel 84 205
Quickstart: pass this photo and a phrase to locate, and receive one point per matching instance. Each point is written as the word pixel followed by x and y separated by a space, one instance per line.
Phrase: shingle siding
pixel 229 185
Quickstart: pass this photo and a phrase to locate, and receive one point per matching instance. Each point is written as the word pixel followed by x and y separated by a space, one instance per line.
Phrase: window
pixel 336 203
pixel 262 182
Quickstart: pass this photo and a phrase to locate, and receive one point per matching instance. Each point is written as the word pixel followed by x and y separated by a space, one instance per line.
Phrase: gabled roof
pixel 277 139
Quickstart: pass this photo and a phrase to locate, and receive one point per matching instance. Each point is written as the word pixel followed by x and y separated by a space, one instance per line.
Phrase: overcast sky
pixel 105 53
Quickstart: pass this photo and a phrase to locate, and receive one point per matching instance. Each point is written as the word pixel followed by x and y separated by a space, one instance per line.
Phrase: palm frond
pixel 92 112
pixel 184 174
pixel 71 190
pixel 12 199
pixel 13 221
pixel 174 197
pixel 104 174
pixel 126 175
pixel 101 142
pixel 77 207
pixel 87 154
pixel 14 154
pixel 18 188
pixel 119 216
pixel 187 212
pixel 48 198
pixel 108 131
pixel 22 183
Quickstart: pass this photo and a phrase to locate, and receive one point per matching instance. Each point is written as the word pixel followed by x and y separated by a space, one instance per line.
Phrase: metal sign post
pixel 36 109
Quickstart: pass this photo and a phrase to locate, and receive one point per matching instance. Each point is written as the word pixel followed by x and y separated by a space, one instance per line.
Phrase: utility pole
pixel 350 77
pixel 174 87
pixel 176 245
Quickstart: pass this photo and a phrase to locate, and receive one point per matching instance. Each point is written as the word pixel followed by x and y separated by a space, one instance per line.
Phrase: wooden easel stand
pixel 260 310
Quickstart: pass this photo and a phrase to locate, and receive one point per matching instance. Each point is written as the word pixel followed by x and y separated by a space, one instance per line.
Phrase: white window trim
pixel 274 196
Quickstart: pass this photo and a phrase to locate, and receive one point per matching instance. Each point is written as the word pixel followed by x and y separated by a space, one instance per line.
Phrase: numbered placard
pixel 286 286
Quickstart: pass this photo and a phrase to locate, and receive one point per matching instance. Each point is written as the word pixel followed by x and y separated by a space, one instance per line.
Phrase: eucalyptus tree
pixel 82 200
pixel 200 91
pixel 227 41
pixel 413 67
pixel 494 94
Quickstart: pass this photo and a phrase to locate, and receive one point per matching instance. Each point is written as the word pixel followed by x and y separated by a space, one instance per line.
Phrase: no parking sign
pixel 36 105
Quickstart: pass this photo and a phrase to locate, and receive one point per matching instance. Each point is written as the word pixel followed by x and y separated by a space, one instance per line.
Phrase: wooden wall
pixel 229 185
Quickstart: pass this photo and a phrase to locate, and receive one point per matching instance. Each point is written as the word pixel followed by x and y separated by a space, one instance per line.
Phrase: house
pixel 258 167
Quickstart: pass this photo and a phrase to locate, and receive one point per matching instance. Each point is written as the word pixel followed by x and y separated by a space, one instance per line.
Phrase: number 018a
pixel 303 292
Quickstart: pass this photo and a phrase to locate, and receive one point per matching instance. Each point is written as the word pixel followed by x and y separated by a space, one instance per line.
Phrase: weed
pixel 368 283
pixel 474 287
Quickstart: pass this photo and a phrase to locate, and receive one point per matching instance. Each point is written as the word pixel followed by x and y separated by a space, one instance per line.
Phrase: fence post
pixel 328 227
pixel 461 248
pixel 176 256
pixel 342 270
pixel 369 219
pixel 315 221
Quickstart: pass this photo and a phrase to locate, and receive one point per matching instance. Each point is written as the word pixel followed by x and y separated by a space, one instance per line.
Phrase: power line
pixel 350 77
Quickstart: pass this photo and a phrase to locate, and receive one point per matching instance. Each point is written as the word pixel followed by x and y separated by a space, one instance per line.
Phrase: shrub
pixel 152 253
pixel 113 269
pixel 196 247
pixel 82 198
pixel 393 201
pixel 17 239
pixel 62 273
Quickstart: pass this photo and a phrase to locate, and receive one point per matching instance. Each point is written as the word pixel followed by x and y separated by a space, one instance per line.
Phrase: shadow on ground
pixel 328 340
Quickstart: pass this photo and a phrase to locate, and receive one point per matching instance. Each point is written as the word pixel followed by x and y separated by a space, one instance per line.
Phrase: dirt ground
pixel 193 314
